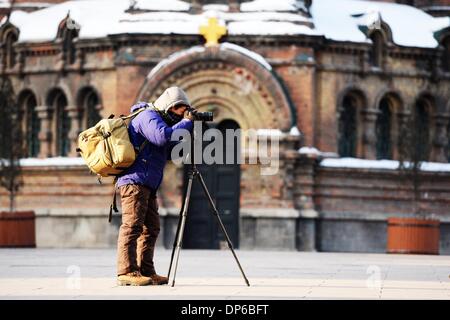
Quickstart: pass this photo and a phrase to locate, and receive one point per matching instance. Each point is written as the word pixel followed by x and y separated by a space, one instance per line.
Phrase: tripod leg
pixel 230 245
pixel 182 223
pixel 175 242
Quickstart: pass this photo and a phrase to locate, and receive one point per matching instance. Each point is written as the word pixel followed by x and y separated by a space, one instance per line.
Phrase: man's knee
pixel 151 232
pixel 130 231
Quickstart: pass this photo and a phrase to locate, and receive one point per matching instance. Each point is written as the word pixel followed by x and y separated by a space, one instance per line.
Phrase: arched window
pixel 10 54
pixel 421 130
pixel 30 123
pixel 61 122
pixel 384 130
pixel 347 127
pixel 446 54
pixel 376 54
pixel 90 106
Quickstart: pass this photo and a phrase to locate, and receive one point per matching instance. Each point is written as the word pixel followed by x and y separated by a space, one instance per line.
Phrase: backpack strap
pixel 113 205
pixel 134 114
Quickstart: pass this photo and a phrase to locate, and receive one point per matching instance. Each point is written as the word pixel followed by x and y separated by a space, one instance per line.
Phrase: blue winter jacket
pixel 149 165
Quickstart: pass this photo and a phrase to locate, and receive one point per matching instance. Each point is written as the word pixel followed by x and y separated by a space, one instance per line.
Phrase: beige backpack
pixel 106 147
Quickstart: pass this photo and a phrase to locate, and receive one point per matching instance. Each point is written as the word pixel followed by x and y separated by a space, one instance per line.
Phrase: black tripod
pixel 193 172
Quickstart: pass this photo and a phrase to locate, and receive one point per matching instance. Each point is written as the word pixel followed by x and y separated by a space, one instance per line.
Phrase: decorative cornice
pixel 316 42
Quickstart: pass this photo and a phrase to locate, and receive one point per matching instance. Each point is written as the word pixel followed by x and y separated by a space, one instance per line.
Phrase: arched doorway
pixel 223 182
pixel 233 83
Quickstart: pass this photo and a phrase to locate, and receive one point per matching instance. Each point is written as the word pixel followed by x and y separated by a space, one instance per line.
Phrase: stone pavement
pixel 204 274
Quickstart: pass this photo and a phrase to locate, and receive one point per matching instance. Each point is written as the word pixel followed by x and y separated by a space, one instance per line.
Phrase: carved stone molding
pixel 239 87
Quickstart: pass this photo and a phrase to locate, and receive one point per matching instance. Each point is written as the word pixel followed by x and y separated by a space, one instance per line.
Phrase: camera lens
pixel 205 116
pixel 202 116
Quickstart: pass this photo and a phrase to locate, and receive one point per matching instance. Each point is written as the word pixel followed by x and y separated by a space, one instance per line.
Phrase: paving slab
pixel 213 274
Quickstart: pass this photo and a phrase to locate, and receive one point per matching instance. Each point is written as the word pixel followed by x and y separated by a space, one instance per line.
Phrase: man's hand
pixel 188 115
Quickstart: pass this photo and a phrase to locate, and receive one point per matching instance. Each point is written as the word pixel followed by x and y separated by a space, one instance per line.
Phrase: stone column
pixel 403 119
pixel 369 133
pixel 79 60
pixel 74 114
pixel 304 201
pixel 45 135
pixel 440 138
pixel 20 63
pixel 234 5
pixel 288 156
pixel 61 56
pixel 196 6
pixel 2 57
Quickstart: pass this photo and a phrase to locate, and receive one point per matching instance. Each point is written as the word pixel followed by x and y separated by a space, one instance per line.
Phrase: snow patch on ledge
pixel 270 132
pixel 380 164
pixel 309 150
pixel 52 162
pixel 435 166
pixel 316 152
pixel 294 131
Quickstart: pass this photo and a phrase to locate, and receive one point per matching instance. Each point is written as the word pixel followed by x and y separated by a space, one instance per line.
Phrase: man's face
pixel 178 109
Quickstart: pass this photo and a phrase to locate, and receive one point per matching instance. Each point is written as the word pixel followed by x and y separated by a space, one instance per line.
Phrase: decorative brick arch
pixel 225 80
pixel 395 98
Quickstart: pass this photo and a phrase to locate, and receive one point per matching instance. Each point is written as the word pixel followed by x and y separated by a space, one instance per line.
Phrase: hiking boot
pixel 158 280
pixel 133 279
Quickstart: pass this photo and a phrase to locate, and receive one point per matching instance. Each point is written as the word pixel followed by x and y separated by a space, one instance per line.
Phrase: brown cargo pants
pixel 139 230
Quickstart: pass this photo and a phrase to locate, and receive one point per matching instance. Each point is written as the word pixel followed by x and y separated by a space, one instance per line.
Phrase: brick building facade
pixel 281 69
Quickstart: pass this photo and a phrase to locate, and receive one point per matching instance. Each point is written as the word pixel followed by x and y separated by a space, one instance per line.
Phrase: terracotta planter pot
pixel 17 229
pixel 413 235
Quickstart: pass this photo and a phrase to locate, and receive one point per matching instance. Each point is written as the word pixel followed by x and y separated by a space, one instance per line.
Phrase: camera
pixel 201 116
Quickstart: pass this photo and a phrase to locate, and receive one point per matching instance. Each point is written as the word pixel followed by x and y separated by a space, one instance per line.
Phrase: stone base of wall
pixel 271 229
pixel 333 234
pixel 259 230
pixel 351 236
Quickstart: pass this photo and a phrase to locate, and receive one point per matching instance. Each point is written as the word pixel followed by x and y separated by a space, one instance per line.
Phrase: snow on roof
pixel 269 27
pixel 4 4
pixel 158 5
pixel 97 19
pixel 31 4
pixel 336 20
pixel 100 18
pixel 270 5
pixel 380 164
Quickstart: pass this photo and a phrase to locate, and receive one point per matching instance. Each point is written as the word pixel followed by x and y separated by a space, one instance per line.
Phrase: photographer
pixel 152 128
